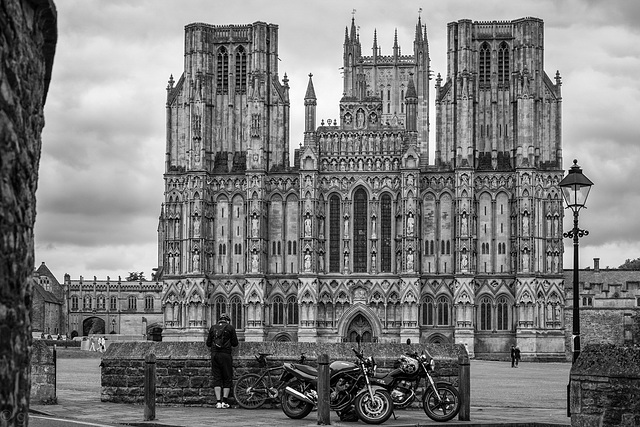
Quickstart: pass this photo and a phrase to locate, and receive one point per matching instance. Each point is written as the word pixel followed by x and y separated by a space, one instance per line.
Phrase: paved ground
pixel 500 395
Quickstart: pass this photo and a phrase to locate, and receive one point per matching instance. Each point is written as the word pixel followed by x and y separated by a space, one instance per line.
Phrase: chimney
pixel 596 265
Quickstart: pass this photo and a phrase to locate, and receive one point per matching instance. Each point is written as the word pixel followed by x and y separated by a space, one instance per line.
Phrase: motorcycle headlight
pixel 432 364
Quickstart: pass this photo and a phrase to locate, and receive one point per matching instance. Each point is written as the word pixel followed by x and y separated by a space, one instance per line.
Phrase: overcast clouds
pixel 100 186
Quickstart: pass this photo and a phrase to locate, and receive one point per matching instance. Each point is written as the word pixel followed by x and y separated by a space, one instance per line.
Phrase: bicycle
pixel 253 390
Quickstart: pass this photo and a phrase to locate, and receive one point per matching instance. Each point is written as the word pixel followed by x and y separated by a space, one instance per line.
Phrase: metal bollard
pixel 323 391
pixel 464 387
pixel 55 373
pixel 150 387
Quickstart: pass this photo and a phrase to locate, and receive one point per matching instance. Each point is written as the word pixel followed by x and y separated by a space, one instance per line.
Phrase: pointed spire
pixel 396 49
pixel 375 42
pixel 311 93
pixel 418 35
pixel 354 34
pixel 346 35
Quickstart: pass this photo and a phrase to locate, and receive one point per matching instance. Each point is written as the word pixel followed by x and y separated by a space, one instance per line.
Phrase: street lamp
pixel 575 189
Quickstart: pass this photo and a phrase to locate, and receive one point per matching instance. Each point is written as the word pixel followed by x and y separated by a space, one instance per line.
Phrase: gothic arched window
pixel 503 314
pixel 148 303
pixel 292 311
pixel 443 311
pixel 236 312
pixel 113 304
pixel 428 312
pixel 485 314
pixel 360 237
pixel 74 302
pixel 222 71
pixel 385 231
pixel 277 312
pixel 485 66
pixel 503 66
pixel 334 234
pixel 219 307
pixel 241 70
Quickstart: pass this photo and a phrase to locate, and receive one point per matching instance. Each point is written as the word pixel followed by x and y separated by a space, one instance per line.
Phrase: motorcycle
pixel 350 387
pixel 440 401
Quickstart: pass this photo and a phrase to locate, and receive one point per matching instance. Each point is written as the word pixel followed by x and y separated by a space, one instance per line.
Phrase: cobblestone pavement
pixel 500 395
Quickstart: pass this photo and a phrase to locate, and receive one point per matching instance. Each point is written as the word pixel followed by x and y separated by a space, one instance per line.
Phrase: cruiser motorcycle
pixel 440 401
pixel 350 386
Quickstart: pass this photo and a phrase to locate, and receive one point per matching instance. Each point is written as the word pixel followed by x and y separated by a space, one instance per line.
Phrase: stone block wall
pixel 183 369
pixel 43 374
pixel 605 387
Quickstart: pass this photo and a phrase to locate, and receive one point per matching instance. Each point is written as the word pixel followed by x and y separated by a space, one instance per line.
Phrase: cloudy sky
pixel 101 184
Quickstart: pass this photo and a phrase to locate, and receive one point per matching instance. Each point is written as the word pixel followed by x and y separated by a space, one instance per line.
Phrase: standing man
pixel 222 336
pixel 517 355
pixel 513 356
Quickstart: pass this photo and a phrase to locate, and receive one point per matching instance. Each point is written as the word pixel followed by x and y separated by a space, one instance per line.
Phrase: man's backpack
pixel 220 336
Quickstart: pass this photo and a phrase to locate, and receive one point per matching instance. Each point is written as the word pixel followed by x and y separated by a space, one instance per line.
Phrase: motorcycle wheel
pixel 250 391
pixel 292 406
pixel 376 410
pixel 446 407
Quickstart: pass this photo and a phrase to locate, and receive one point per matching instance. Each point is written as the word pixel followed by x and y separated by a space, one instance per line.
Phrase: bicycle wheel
pixel 250 391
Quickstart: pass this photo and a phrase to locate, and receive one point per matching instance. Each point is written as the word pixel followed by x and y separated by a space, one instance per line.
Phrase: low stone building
pixel 609 306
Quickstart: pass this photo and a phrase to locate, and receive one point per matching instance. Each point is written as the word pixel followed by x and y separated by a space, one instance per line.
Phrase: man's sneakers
pixel 222 405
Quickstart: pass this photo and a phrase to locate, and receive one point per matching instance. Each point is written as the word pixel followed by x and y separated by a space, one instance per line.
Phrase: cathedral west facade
pixel 362 234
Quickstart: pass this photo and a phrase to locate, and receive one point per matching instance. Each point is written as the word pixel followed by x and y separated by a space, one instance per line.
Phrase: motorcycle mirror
pixel 408 341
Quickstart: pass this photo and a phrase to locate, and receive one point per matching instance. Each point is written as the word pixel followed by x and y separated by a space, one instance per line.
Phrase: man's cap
pixel 225 316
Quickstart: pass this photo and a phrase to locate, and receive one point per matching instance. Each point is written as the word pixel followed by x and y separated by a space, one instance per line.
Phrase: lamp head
pixel 575 187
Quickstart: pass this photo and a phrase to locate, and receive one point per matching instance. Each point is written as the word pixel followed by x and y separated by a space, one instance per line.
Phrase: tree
pixel 134 276
pixel 631 264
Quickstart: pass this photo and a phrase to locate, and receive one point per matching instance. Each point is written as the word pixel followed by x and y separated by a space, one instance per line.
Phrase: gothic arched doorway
pixel 359 327
pixel 92 325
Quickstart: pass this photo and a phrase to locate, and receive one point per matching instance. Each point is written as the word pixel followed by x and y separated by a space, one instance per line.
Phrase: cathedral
pixel 361 234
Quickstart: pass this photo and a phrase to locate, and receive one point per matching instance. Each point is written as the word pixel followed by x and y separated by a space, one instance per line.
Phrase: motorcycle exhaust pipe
pixel 298 395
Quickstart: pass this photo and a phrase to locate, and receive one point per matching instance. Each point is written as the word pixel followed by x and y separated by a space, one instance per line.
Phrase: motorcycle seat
pixel 309 370
pixel 392 373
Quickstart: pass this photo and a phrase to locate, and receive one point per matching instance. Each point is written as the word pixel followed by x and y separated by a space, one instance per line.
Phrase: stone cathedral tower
pixel 363 235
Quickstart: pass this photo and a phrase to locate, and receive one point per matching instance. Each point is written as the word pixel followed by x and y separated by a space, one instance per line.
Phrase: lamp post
pixel 575 190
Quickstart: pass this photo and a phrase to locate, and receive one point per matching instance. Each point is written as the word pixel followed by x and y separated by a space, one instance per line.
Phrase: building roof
pixel 46 295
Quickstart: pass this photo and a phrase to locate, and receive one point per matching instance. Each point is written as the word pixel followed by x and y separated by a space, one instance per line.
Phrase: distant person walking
pixel 513 356
pixel 92 346
pixel 517 351
pixel 222 336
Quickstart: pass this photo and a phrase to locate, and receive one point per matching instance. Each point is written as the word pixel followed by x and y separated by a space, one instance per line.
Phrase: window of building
pixel 86 302
pixel 485 314
pixel 587 301
pixel 100 302
pixel 219 307
pixel 443 311
pixel 74 302
pixel 428 312
pixel 279 247
pixel 113 303
pixel 241 70
pixel 292 311
pixel 132 302
pixel 277 311
pixel 289 247
pixel 334 234
pixel 295 247
pixel 360 237
pixel 236 312
pixel 485 66
pixel 503 65
pixel 385 233
pixel 222 71
pixel 503 314
pixel 148 302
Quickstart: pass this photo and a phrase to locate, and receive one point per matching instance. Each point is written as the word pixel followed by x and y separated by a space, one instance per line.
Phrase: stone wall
pixel 605 387
pixel 28 35
pixel 43 374
pixel 183 369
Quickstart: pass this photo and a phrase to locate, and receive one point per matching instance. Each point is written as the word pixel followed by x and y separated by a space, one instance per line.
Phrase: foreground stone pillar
pixel 27 43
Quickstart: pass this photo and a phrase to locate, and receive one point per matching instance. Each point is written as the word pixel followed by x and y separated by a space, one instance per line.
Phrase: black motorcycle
pixel 350 388
pixel 440 401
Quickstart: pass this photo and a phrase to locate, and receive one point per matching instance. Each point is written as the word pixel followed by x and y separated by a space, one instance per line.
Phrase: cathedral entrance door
pixel 359 327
